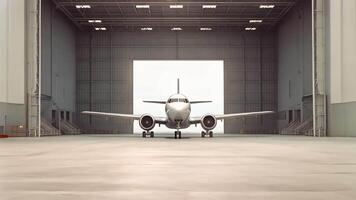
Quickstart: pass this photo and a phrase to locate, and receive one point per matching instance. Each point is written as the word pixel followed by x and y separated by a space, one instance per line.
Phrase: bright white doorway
pixel 199 80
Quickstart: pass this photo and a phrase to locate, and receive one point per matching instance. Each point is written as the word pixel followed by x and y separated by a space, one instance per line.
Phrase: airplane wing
pixel 220 117
pixel 196 120
pixel 159 120
pixel 158 102
pixel 194 102
pixel 127 116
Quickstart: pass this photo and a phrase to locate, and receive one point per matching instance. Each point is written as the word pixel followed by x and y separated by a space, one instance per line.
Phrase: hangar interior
pixel 60 57
pixel 86 52
pixel 264 69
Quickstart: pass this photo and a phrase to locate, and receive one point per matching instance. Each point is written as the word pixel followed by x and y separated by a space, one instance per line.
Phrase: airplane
pixel 178 109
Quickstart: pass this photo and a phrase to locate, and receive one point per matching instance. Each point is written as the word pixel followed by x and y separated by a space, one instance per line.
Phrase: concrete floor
pixel 226 167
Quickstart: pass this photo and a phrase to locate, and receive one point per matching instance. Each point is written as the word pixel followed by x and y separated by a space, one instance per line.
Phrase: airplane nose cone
pixel 180 111
pixel 180 107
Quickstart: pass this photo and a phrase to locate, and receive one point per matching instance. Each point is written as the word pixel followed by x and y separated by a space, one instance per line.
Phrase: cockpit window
pixel 177 100
pixel 173 100
pixel 183 100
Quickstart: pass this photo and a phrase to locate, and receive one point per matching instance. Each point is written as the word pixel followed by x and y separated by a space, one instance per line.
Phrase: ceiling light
pixel 250 28
pixel 256 21
pixel 142 6
pixel 176 29
pixel 267 6
pixel 146 29
pixel 94 21
pixel 209 6
pixel 100 28
pixel 205 29
pixel 82 6
pixel 176 6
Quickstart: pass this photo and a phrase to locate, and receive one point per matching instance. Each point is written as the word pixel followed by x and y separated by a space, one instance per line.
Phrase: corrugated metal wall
pixel 295 62
pixel 12 66
pixel 104 72
pixel 58 61
pixel 340 60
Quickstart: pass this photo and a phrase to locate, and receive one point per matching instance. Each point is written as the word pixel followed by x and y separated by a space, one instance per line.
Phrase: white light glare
pixel 82 6
pixel 176 29
pixel 267 6
pixel 94 21
pixel 176 6
pixel 209 6
pixel 205 29
pixel 256 21
pixel 250 28
pixel 146 29
pixel 142 6
pixel 100 29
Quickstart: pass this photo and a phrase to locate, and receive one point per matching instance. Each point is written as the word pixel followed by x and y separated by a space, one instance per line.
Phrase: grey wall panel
pixel 340 67
pixel 59 61
pixel 294 58
pixel 12 115
pixel 12 63
pixel 109 56
pixel 342 119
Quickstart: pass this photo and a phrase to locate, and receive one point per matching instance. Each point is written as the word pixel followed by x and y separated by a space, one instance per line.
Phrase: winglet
pixel 178 86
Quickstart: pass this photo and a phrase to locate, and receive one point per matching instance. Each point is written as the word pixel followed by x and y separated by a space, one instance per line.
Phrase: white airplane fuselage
pixel 178 112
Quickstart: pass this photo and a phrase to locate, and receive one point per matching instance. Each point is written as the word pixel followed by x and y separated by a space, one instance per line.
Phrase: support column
pixel 33 66
pixel 318 68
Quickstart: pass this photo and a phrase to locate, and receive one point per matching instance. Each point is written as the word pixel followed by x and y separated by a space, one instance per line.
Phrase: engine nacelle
pixel 147 122
pixel 208 122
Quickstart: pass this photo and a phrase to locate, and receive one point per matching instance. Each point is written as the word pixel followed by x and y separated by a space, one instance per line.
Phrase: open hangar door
pixel 88 48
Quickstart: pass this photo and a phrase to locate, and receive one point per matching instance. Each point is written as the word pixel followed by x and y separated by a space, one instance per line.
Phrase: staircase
pixel 68 128
pixel 290 128
pixel 47 129
pixel 298 128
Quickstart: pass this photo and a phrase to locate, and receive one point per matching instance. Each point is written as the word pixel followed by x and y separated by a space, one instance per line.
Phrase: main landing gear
pixel 148 133
pixel 177 134
pixel 210 133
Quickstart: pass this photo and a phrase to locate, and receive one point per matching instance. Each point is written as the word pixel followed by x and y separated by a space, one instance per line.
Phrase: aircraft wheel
pixel 202 134
pixel 144 134
pixel 175 134
pixel 180 134
pixel 211 133
pixel 152 134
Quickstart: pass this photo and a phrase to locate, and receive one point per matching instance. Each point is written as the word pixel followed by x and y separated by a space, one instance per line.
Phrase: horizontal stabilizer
pixel 159 102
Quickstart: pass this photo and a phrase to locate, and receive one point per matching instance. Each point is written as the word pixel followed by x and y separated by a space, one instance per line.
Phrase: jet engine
pixel 208 122
pixel 147 122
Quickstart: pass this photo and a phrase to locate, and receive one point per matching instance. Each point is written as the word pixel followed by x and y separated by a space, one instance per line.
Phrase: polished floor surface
pixel 224 167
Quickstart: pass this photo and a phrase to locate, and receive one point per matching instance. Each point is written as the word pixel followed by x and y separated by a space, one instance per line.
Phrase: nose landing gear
pixel 177 134
pixel 148 133
pixel 210 133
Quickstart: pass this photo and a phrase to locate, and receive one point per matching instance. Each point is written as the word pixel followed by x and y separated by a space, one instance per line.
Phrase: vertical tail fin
pixel 178 86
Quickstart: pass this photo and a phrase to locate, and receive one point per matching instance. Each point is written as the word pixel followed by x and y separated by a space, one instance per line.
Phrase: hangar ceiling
pixel 165 14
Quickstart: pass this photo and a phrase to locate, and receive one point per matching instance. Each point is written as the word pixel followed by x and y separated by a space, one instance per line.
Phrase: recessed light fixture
pixel 146 29
pixel 208 6
pixel 250 28
pixel 267 6
pixel 206 29
pixel 94 21
pixel 176 6
pixel 100 28
pixel 82 6
pixel 176 29
pixel 256 21
pixel 142 6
